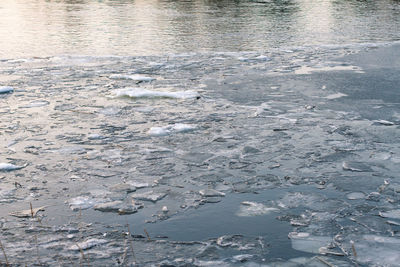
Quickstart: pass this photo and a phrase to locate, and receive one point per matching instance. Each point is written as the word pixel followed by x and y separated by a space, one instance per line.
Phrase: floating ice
pixel 81 203
pixel 356 166
pixel 211 193
pixel 144 93
pixel 159 131
pixel 248 208
pixel 36 104
pixel 166 130
pixel 134 77
pixel 128 188
pixel 6 89
pixel 5 167
pixel 95 137
pixel 92 242
pixel 393 214
pixel 112 206
pixel 377 250
pixel 384 122
pixel 27 213
pixel 334 96
pixel 355 195
pixel 305 242
pixel 149 196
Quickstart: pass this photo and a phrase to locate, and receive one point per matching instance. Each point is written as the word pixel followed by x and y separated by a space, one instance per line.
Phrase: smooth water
pixel 32 28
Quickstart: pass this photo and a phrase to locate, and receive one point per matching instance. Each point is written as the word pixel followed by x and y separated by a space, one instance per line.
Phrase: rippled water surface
pixel 42 28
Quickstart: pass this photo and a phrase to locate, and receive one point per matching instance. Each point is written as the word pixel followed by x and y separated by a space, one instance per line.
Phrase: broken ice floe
pixel 248 208
pixel 134 77
pixel 144 93
pixel 5 167
pixel 335 96
pixel 27 213
pixel 376 250
pixel 81 203
pixel 308 243
pixel 356 166
pixel 393 214
pixel 119 206
pixel 355 195
pixel 211 193
pixel 6 89
pixel 149 196
pixel 87 244
pixel 167 130
pixel 383 122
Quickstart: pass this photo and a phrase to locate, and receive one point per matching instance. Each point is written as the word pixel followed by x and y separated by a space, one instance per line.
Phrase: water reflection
pixel 137 27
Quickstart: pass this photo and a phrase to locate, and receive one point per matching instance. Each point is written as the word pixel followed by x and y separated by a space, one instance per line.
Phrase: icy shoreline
pixel 259 142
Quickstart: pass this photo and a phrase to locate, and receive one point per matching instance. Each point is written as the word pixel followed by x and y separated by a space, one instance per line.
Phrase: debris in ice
pixel 356 166
pixel 248 208
pixel 166 130
pixel 384 122
pixel 334 96
pixel 211 193
pixel 144 93
pixel 6 89
pixel 92 242
pixel 128 188
pixel 149 196
pixel 305 242
pixel 393 214
pixel 27 213
pixel 164 209
pixel 81 203
pixel 5 167
pixel 355 195
pixel 135 77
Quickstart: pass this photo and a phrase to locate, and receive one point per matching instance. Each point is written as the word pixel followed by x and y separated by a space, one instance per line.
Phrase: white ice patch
pixel 310 70
pixel 144 93
pixel 355 195
pixel 308 243
pixel 92 242
pixel 82 203
pixel 5 167
pixel 384 122
pixel 6 89
pixel 335 96
pixel 134 77
pixel 170 129
pixel 248 209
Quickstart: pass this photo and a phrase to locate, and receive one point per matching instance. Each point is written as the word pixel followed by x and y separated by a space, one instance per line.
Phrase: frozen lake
pixel 199 133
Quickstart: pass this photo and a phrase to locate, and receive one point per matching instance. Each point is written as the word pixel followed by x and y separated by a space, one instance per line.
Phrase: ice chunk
pixel 159 131
pixel 393 214
pixel 27 213
pixel 5 167
pixel 384 122
pixel 248 208
pixel 134 77
pixel 92 242
pixel 211 193
pixel 334 96
pixel 305 242
pixel 377 250
pixel 356 166
pixel 112 206
pixel 355 195
pixel 128 188
pixel 149 196
pixel 175 128
pixel 81 203
pixel 144 93
pixel 6 89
